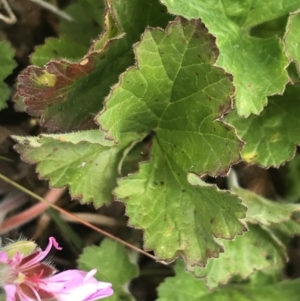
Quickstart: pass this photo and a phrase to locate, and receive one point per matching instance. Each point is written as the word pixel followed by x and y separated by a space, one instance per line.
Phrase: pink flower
pixel 25 278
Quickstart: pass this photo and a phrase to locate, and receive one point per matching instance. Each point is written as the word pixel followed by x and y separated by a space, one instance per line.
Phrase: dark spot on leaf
pixel 55 51
pixel 196 35
pixel 268 257
pixel 155 183
pixel 214 129
pixel 197 73
pixel 212 220
pixel 156 100
pixel 249 86
pixel 162 183
pixel 174 145
pixel 178 174
pixel 183 190
pixel 195 212
pixel 54 149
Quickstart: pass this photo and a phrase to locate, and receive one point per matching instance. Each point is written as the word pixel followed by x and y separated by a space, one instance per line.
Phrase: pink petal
pixel 40 255
pixel 85 292
pixel 100 294
pixel 76 285
pixel 10 291
pixel 4 257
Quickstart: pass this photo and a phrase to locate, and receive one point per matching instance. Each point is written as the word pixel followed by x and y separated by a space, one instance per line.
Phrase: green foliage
pixel 88 21
pixel 267 142
pixel 7 64
pixel 185 287
pixel 118 271
pixel 255 250
pixel 184 83
pixel 293 180
pixel 257 65
pixel 181 91
pixel 292 39
pixel 67 95
pixel 264 211
pixel 76 36
pixel 179 218
pixel 55 48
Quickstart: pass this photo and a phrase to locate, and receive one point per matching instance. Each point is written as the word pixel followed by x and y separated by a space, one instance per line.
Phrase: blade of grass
pixel 66 230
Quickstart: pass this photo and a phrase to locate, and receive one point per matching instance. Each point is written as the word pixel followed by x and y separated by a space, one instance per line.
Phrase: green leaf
pixel 84 161
pixel 58 48
pixel 292 181
pixel 292 45
pixel 264 211
pixel 176 92
pixel 290 227
pixel 75 36
pixel 7 64
pixel 257 65
pixel 68 95
pixel 271 137
pixel 113 265
pixel 184 287
pixel 272 28
pixel 88 22
pixel 178 218
pixel 255 250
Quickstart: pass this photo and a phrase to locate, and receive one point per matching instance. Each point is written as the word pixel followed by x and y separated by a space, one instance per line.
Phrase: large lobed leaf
pixel 7 64
pixel 178 218
pixel 176 93
pixel 271 137
pixel 257 65
pixel 113 265
pixel 84 161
